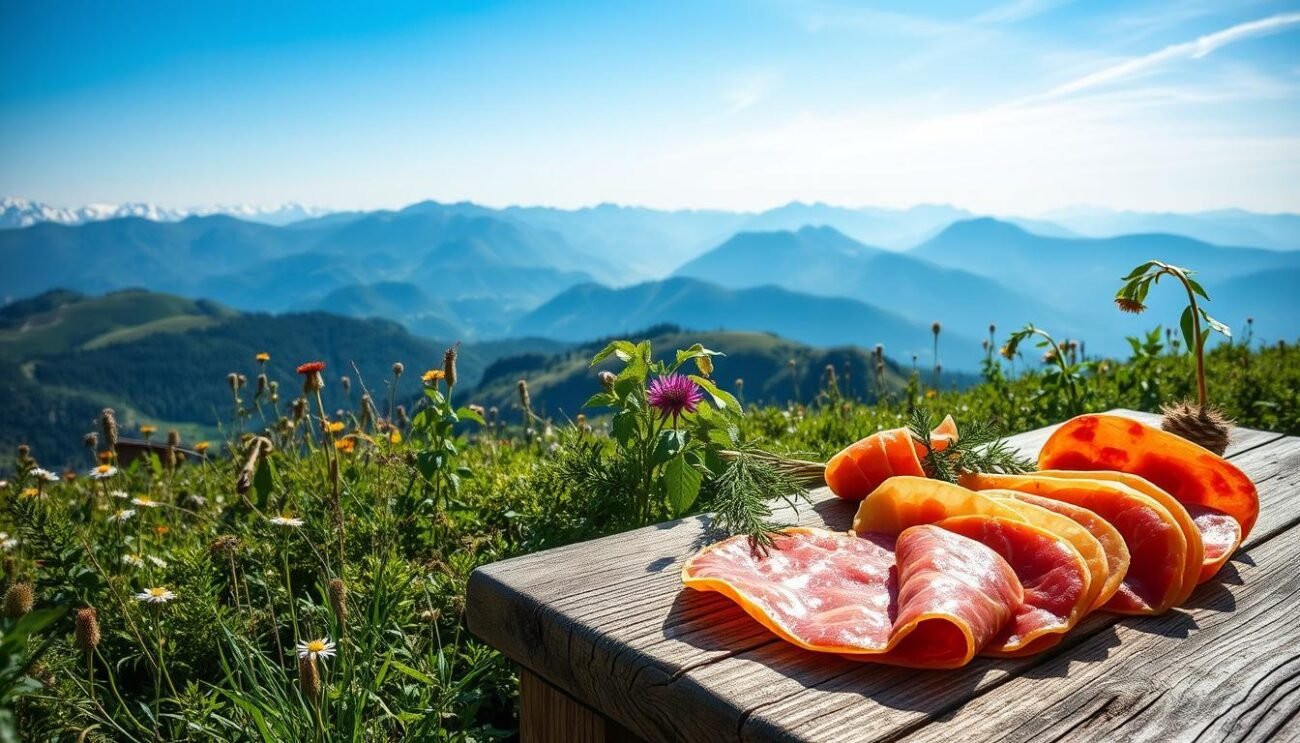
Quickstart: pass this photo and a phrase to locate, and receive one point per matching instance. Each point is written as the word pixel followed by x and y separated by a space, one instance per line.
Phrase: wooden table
pixel 612 647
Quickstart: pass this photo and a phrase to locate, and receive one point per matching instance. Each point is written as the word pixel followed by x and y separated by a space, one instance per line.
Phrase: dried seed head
pixel 402 419
pixel 243 381
pixel 935 328
pixel 224 545
pixel 339 599
pixel 493 413
pixel 86 634
pixel 263 384
pixel 398 368
pixel 19 600
pixel 24 453
pixel 1129 305
pixel 91 441
pixel 299 408
pixel 449 366
pixel 607 379
pixel 830 374
pixel 309 678
pixel 368 413
pixel 346 384
pixel 173 437
pixel 525 401
pixel 1206 427
pixel 992 328
pixel 108 423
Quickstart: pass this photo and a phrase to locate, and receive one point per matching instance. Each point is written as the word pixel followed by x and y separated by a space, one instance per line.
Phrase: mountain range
pixel 803 271
pixel 17 212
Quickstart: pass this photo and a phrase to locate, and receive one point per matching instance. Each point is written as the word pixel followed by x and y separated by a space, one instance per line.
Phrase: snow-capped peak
pixel 18 212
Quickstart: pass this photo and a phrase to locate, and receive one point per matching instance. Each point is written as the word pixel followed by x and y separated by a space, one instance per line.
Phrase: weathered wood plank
pixel 1226 670
pixel 608 622
pixel 872 704
pixel 548 715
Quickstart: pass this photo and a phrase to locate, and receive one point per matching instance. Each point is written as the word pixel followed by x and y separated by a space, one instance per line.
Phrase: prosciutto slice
pixel 1189 473
pixel 1056 579
pixel 1111 541
pixel 928 598
pixel 1160 575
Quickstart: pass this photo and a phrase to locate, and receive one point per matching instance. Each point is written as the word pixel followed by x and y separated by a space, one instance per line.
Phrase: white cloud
pixel 1194 49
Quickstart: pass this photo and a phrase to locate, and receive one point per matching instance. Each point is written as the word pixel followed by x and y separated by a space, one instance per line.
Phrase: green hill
pixel 163 359
pixel 560 383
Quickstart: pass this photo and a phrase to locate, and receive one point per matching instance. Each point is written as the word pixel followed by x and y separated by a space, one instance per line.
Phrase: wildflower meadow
pixel 303 578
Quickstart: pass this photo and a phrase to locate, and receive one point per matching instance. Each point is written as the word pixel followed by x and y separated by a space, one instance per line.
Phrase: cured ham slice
pixel 1111 541
pixel 1160 574
pixel 860 467
pixel 1103 583
pixel 1213 533
pixel 929 598
pixel 1056 579
pixel 1193 475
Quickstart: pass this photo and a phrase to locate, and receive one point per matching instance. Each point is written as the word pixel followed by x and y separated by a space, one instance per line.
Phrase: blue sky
pixel 1017 107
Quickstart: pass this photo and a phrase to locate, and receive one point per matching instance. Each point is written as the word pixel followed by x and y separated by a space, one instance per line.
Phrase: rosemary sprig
pixel 745 491
pixel 979 448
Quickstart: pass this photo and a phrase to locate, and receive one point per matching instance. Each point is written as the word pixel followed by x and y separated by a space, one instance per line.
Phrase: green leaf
pixel 601 400
pixel 624 426
pixel 467 414
pixel 722 399
pixel 1217 326
pixel 669 444
pixel 694 351
pixel 1196 287
pixel 1141 269
pixel 683 485
pixel 1189 335
pixel 624 349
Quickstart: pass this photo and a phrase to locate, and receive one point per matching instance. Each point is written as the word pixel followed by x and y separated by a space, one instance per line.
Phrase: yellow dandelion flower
pixel 263 357
pixel 30 492
pixel 931 394
pixel 336 426
pixel 395 437
pixel 432 376
pixel 147 429
pixel 202 447
pixel 346 445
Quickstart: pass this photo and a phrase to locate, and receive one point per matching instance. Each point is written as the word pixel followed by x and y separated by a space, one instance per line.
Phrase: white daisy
pixel 145 501
pixel 119 494
pixel 157 561
pixel 133 561
pixel 103 472
pixel 159 595
pixel 314 649
pixel 40 473
pixel 286 520
pixel 122 515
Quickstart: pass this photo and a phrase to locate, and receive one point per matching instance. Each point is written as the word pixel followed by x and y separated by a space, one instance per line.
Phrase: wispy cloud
pixel 1194 49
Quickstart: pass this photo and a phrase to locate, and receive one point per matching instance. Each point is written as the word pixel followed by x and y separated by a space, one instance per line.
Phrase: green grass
pixel 402 527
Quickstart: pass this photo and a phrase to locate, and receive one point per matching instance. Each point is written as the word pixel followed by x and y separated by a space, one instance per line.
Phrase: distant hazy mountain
pixel 1270 298
pixel 1080 276
pixel 824 262
pixel 1221 227
pixel 895 229
pixel 453 253
pixel 592 311
pixel 16 212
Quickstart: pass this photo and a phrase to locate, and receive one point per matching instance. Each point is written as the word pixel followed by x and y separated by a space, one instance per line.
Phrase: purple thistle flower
pixel 674 395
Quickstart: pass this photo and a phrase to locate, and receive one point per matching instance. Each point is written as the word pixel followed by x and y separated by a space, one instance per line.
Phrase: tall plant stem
pixel 332 474
pixel 1202 396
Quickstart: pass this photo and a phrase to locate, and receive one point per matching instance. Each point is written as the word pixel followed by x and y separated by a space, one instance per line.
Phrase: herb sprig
pixel 979 448
pixel 746 489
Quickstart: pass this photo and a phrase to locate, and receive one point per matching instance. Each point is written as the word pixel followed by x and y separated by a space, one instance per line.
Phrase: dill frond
pixel 744 493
